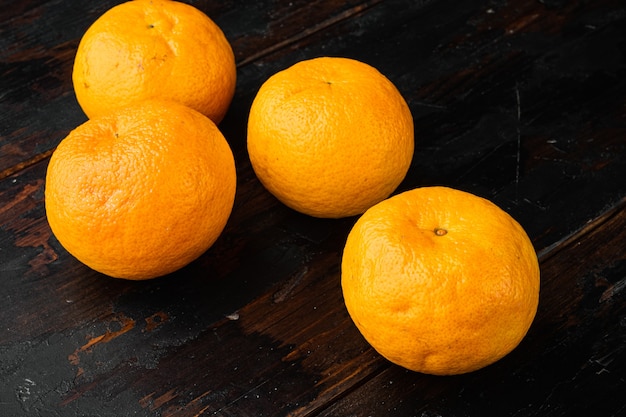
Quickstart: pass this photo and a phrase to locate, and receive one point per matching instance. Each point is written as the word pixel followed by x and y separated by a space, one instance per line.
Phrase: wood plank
pixel 38 41
pixel 495 94
pixel 106 338
pixel 514 100
pixel 255 361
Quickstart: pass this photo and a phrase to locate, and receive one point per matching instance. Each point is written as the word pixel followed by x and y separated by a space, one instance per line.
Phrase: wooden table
pixel 520 101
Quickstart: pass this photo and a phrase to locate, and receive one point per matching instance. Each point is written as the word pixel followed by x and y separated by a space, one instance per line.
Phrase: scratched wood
pixel 522 102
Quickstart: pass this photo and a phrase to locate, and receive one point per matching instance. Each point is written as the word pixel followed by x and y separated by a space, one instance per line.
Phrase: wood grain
pixel 520 101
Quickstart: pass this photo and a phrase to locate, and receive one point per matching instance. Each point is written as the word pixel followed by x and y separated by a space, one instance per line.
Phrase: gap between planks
pixel 346 14
pixel 593 224
pixel 25 164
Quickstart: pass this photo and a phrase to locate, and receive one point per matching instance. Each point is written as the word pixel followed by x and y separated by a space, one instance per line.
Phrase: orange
pixel 330 137
pixel 142 191
pixel 145 49
pixel 440 281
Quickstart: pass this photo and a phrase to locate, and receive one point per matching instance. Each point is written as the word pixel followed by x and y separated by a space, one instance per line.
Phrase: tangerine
pixel 330 137
pixel 145 49
pixel 440 281
pixel 142 191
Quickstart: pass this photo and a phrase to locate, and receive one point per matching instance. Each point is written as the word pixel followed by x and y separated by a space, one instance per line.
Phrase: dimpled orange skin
pixel 440 281
pixel 330 137
pixel 145 49
pixel 141 192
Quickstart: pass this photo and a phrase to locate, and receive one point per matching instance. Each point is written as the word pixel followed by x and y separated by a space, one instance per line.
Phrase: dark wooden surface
pixel 521 101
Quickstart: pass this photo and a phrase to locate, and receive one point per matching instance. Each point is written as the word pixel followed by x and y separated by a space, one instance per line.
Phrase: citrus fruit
pixel 145 49
pixel 440 281
pixel 330 137
pixel 142 191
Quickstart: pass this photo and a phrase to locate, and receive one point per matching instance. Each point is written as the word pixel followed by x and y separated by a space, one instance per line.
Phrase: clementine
pixel 145 49
pixel 440 281
pixel 142 191
pixel 330 137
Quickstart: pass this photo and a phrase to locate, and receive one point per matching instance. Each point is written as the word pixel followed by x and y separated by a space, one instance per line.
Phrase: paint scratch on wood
pixel 126 324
